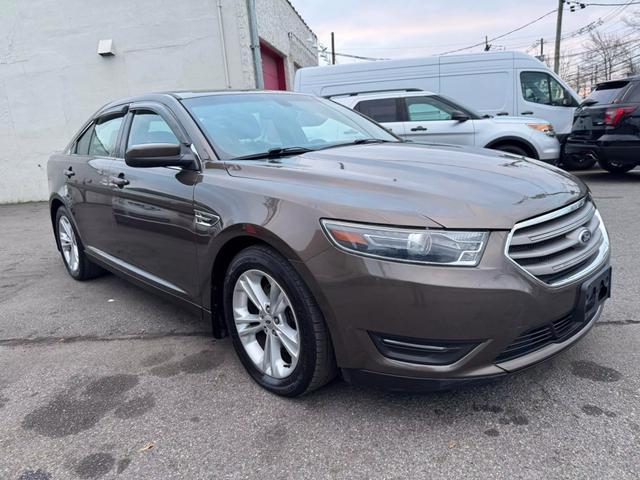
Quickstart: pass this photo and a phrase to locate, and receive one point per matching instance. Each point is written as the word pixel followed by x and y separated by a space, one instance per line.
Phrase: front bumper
pixel 491 305
pixel 623 151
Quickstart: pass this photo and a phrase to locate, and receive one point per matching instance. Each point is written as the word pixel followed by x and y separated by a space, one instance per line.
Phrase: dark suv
pixel 318 240
pixel 606 128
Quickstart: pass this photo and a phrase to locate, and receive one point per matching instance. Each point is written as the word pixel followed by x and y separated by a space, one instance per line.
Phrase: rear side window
pixel 149 127
pixel 381 110
pixel 425 109
pixel 633 95
pixel 540 87
pixel 82 145
pixel 104 138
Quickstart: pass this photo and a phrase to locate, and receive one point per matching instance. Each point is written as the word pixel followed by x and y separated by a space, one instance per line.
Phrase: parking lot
pixel 102 380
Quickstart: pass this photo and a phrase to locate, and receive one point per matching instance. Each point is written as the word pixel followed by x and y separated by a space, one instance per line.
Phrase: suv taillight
pixel 613 115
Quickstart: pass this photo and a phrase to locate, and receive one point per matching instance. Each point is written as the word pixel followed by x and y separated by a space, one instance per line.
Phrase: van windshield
pixel 249 124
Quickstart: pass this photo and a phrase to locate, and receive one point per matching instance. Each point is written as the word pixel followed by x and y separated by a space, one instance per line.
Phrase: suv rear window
pixel 633 93
pixel 609 92
pixel 381 110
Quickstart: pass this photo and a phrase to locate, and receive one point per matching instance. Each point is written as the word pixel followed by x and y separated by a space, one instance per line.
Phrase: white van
pixel 494 83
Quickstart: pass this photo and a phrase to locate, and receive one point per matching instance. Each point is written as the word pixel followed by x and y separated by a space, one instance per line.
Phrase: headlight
pixel 440 247
pixel 545 128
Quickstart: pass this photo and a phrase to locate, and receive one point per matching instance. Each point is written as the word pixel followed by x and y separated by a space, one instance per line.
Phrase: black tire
pixel 575 162
pixel 316 363
pixel 612 167
pixel 511 148
pixel 86 269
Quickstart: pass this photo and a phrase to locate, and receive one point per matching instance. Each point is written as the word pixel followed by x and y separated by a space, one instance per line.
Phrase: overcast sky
pixel 410 28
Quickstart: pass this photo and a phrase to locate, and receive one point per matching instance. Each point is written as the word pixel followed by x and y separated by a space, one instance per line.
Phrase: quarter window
pixel 149 127
pixel 381 110
pixel 82 145
pixel 425 109
pixel 540 87
pixel 105 136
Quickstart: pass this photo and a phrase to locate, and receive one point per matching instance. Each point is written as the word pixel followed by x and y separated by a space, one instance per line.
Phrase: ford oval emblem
pixel 584 236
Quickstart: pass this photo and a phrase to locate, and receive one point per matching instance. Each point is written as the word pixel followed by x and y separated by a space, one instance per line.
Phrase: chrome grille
pixel 562 246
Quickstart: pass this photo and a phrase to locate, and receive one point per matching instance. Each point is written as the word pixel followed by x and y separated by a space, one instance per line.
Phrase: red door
pixel 272 69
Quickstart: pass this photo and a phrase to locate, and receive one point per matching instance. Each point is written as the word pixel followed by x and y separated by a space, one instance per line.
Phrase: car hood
pixel 412 184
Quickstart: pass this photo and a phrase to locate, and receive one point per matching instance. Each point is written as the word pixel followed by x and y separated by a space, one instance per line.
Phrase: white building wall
pixel 286 32
pixel 52 79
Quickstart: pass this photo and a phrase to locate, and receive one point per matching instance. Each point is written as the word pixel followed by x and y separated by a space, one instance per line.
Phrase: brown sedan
pixel 319 241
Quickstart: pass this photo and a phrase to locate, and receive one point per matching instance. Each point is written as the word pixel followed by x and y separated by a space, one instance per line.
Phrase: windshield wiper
pixel 275 153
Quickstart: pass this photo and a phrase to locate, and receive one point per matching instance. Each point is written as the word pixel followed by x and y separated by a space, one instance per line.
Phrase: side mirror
pixel 158 155
pixel 459 116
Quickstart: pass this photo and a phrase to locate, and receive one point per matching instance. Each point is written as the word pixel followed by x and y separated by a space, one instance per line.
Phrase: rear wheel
pixel 277 328
pixel 614 167
pixel 78 264
pixel 578 162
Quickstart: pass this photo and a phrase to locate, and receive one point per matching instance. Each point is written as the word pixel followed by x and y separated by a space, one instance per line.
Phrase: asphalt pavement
pixel 101 379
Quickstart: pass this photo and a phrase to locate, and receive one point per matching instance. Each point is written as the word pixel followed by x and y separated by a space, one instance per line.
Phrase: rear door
pixel 386 111
pixel 153 207
pixel 87 178
pixel 542 96
pixel 429 120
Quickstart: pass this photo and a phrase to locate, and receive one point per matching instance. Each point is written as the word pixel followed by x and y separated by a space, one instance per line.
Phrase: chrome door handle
pixel 419 129
pixel 119 181
pixel 527 113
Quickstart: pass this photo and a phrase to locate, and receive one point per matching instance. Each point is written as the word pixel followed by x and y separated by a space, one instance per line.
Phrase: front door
pixel 429 119
pixel 153 208
pixel 541 95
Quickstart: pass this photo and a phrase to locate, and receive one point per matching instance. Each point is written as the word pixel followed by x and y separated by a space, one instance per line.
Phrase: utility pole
pixel 542 49
pixel 487 47
pixel 556 58
pixel 333 49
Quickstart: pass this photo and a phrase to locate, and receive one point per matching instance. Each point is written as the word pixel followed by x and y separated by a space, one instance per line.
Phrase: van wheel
pixel 276 326
pixel 613 167
pixel 511 148
pixel 578 162
pixel 75 260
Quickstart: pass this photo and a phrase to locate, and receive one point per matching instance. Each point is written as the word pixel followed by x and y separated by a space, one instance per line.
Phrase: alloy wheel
pixel 68 244
pixel 266 323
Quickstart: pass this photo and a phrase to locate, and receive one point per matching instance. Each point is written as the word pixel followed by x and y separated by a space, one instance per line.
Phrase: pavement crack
pixel 19 342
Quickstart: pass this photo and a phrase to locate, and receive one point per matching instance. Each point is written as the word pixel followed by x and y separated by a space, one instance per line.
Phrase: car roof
pixel 184 94
pixel 378 95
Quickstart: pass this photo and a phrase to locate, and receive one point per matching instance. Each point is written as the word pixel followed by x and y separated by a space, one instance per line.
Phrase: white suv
pixel 427 117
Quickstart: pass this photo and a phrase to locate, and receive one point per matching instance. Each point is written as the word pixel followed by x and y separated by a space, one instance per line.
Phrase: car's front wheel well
pixel 53 210
pixel 518 144
pixel 220 265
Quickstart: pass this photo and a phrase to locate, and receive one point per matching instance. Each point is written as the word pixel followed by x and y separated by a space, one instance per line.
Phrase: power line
pixel 503 35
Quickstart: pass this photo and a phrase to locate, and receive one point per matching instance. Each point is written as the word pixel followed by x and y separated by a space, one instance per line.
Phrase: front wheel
pixel 510 148
pixel 614 167
pixel 277 328
pixel 75 259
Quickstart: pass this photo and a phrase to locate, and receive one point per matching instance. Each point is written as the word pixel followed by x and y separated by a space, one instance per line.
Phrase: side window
pixel 382 110
pixel 540 87
pixel 105 136
pixel 425 109
pixel 149 127
pixel 82 144
pixel 633 95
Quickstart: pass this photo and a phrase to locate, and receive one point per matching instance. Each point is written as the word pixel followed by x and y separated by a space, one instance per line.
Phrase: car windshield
pixel 249 124
pixel 606 93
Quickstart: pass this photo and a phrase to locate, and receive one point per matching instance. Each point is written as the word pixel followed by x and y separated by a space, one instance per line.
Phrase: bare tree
pixel 606 55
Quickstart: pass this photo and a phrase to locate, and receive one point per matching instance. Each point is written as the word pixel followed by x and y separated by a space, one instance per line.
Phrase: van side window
pixel 105 136
pixel 381 110
pixel 540 87
pixel 82 144
pixel 425 109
